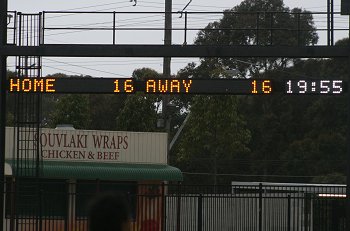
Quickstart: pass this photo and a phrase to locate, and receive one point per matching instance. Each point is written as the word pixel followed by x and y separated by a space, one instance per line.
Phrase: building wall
pixel 96 146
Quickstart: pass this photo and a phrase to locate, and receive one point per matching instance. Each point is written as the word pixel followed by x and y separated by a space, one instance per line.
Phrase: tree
pixel 139 112
pixel 72 109
pixel 238 27
pixel 104 109
pixel 215 134
pixel 66 108
pixel 288 135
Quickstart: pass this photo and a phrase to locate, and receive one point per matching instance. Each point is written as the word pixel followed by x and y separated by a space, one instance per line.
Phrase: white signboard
pixel 94 146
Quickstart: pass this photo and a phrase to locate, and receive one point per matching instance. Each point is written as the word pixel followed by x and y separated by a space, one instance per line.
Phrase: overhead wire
pixel 66 71
pixel 150 2
pixel 136 23
pixel 88 68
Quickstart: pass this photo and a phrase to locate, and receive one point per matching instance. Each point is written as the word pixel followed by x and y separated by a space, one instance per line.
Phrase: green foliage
pixel 139 112
pixel 72 109
pixel 297 136
pixel 333 178
pixel 238 27
pixel 104 109
pixel 216 132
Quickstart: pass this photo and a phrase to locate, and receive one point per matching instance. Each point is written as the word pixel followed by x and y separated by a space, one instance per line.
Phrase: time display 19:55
pixel 313 87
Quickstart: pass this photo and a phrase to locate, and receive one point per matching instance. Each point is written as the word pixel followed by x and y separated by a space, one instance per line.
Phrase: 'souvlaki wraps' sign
pixel 92 145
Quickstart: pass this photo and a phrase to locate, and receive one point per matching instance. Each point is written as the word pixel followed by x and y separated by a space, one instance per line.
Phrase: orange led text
pixel 32 85
pixel 168 86
pixel 126 86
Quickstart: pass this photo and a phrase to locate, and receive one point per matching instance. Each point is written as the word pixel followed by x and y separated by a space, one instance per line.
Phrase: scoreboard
pixel 176 86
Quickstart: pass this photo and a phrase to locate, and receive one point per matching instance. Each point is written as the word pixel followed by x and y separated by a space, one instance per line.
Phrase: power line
pixel 94 6
pixel 73 72
pixel 92 69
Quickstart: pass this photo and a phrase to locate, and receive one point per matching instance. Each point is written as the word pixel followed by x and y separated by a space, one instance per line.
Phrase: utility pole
pixel 3 42
pixel 167 65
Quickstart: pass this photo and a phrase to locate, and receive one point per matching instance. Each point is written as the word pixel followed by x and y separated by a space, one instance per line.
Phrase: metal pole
pixel 200 213
pixel 348 147
pixel 328 23
pixel 3 42
pixel 167 64
pixel 113 27
pixel 260 207
pixel 332 22
pixel 288 214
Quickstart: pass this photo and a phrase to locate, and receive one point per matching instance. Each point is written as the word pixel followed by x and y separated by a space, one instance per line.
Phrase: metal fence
pixel 259 28
pixel 60 205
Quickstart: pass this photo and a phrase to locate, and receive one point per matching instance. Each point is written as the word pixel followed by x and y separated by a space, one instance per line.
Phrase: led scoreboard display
pixel 314 86
pixel 174 86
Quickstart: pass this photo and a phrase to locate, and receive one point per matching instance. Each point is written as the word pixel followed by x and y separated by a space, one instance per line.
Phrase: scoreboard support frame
pixel 154 51
pixel 348 146
pixel 3 73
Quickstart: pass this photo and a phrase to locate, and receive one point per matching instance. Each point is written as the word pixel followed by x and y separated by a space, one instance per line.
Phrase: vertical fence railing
pixel 43 28
pixel 288 213
pixel 330 23
pixel 114 22
pixel 260 207
pixel 200 213
pixel 185 208
pixel 185 29
pixel 264 30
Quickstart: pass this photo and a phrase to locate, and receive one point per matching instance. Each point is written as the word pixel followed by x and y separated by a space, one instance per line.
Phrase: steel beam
pixel 3 41
pixel 74 50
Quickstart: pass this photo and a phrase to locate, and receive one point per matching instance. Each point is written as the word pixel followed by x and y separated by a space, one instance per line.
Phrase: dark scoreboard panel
pixel 71 85
pixel 174 86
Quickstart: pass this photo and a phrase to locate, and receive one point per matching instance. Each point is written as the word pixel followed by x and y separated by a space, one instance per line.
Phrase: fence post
pixel 335 214
pixel 306 211
pixel 199 213
pixel 178 208
pixel 260 206
pixel 40 220
pixel 164 208
pixel 185 34
pixel 113 27
pixel 42 38
pixel 288 214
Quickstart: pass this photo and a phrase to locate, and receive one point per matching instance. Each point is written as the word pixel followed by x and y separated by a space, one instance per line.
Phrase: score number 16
pixel 264 88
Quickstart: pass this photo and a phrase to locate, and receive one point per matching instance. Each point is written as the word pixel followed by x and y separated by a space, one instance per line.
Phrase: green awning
pixel 108 171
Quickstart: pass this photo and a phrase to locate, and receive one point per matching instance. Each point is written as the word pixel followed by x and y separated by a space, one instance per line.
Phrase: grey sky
pixel 122 67
pixel 33 6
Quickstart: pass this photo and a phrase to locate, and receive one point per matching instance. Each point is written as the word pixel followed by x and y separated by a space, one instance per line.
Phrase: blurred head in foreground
pixel 109 212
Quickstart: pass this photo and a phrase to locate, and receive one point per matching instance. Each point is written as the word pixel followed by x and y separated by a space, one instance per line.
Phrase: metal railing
pixel 53 205
pixel 249 28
